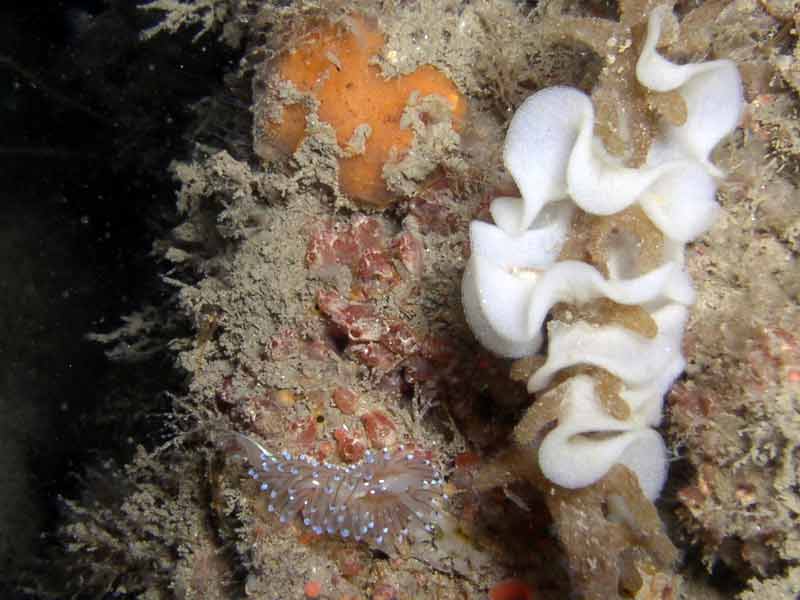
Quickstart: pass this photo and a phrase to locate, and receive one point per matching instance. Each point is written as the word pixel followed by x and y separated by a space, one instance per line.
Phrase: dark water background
pixel 90 119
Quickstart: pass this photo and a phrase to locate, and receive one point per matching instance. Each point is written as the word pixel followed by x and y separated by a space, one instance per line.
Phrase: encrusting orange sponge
pixel 332 63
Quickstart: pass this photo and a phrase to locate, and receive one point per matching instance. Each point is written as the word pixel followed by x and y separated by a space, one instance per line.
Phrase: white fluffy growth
pixel 514 277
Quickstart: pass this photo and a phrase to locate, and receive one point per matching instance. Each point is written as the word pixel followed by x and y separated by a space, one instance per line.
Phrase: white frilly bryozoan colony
pixel 514 277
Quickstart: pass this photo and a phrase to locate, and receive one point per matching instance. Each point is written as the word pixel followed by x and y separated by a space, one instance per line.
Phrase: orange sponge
pixel 333 64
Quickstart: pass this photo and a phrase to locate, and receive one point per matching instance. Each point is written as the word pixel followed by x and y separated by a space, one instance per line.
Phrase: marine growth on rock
pixel 376 121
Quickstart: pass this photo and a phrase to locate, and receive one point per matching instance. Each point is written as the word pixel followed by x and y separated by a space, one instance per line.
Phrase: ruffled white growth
pixel 582 170
pixel 712 92
pixel 500 278
pixel 535 248
pixel 633 358
pixel 681 203
pixel 588 442
pixel 551 153
pixel 514 278
pixel 646 367
pixel 506 309
pixel 535 153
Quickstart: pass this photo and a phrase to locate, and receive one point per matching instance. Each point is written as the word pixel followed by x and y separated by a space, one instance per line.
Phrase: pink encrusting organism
pixel 386 498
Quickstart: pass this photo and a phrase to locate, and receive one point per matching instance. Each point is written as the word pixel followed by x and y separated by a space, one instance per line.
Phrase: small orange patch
pixel 511 589
pixel 306 538
pixel 312 589
pixel 333 64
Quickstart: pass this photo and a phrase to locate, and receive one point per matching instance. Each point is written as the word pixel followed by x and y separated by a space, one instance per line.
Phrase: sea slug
pixel 387 498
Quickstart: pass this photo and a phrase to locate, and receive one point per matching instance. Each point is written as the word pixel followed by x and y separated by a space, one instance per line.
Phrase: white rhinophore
pixel 514 278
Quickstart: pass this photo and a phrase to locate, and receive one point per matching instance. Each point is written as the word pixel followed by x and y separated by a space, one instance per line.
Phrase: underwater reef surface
pixel 296 318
